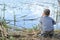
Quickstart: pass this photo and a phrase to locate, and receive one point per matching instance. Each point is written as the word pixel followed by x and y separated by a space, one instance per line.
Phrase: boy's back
pixel 47 23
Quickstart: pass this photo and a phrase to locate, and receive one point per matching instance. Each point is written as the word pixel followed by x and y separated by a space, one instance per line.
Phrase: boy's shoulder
pixel 51 18
pixel 46 17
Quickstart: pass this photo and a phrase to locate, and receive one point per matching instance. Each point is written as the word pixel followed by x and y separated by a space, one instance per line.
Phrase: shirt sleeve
pixel 40 23
pixel 40 20
pixel 53 22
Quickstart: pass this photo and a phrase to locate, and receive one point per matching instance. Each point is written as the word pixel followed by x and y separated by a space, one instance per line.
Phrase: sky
pixel 31 8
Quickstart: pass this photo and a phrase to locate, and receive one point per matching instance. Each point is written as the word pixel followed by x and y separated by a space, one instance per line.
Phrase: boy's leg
pixel 44 36
pixel 50 36
pixel 47 36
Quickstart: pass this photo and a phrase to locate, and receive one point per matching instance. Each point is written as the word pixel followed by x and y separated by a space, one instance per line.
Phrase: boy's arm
pixel 40 20
pixel 40 23
pixel 53 22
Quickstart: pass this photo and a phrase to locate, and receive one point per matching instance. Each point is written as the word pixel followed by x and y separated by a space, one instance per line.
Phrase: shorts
pixel 48 34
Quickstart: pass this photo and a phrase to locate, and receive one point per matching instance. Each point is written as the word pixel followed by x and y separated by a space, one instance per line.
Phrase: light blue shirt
pixel 47 23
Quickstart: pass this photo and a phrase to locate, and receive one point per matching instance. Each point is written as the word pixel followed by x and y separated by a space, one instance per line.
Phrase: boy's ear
pixel 43 14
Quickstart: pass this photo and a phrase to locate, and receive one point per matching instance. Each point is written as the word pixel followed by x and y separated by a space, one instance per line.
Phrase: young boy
pixel 47 23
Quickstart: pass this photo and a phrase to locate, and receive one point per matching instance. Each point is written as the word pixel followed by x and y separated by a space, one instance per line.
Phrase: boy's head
pixel 46 12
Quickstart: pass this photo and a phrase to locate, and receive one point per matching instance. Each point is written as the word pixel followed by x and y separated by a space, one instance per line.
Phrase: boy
pixel 47 23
